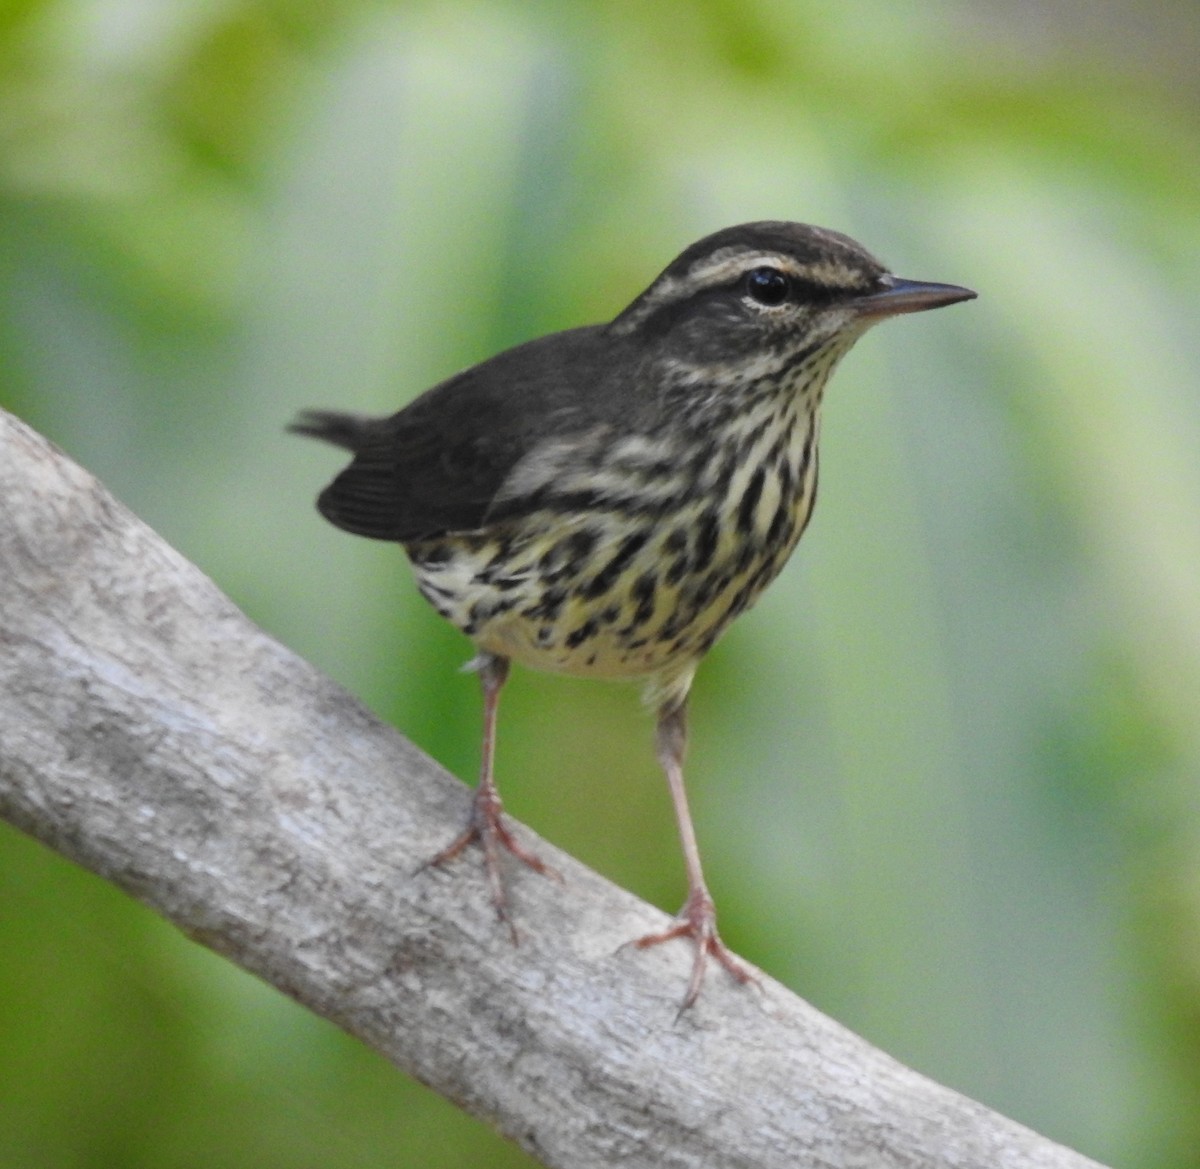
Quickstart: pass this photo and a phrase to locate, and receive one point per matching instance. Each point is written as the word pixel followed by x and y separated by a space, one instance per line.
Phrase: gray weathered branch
pixel 150 732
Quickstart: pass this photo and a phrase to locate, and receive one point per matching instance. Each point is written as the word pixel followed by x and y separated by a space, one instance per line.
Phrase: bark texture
pixel 154 735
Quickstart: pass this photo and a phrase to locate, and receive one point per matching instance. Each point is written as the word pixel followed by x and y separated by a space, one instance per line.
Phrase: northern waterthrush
pixel 606 500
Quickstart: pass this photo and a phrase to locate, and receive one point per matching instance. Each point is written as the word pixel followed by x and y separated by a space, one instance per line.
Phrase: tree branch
pixel 151 733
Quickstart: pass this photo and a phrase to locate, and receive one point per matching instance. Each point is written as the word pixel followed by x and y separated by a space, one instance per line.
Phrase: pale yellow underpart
pixel 665 666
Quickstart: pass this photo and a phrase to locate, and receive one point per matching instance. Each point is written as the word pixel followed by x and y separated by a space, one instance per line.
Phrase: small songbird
pixel 605 501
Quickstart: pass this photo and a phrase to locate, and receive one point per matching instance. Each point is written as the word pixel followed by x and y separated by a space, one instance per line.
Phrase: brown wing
pixel 438 464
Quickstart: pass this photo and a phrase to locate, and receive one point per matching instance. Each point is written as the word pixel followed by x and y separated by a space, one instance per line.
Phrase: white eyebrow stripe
pixel 726 268
pixel 728 265
pixel 718 269
pixel 723 267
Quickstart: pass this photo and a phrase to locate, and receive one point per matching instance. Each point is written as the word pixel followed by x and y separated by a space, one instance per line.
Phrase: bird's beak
pixel 897 296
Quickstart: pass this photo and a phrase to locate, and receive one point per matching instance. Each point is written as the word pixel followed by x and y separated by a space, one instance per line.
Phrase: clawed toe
pixel 698 920
pixel 487 828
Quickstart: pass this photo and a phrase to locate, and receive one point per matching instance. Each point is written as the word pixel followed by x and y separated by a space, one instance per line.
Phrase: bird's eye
pixel 768 286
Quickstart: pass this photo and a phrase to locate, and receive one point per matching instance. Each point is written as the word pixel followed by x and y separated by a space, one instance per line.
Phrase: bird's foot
pixel 698 920
pixel 487 827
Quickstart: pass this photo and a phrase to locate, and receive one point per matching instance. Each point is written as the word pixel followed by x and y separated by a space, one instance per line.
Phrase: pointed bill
pixel 898 296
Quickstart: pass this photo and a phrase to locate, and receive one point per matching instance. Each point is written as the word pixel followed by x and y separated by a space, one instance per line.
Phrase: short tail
pixel 349 431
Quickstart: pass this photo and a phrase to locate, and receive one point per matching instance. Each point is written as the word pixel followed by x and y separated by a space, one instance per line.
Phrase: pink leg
pixel 486 823
pixel 698 917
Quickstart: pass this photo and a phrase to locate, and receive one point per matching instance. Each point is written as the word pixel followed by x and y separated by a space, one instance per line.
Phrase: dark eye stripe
pixel 800 289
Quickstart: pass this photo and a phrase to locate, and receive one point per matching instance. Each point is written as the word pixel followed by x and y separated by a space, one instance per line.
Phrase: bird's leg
pixel 698 917
pixel 486 824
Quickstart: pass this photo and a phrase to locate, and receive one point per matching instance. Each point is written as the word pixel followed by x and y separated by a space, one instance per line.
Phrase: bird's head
pixel 762 295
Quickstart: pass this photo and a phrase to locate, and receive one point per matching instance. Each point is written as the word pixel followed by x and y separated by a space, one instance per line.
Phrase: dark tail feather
pixel 350 431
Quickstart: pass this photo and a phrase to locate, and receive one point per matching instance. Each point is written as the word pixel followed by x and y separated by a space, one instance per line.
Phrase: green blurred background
pixel 946 775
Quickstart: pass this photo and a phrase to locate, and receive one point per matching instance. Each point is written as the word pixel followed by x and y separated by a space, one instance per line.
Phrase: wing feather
pixel 438 465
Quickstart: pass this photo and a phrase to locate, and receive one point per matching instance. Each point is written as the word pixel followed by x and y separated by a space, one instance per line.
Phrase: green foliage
pixel 945 776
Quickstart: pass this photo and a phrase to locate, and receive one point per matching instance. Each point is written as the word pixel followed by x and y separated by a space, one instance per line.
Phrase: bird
pixel 604 501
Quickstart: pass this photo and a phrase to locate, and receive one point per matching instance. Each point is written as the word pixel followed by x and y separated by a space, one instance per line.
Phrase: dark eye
pixel 768 286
